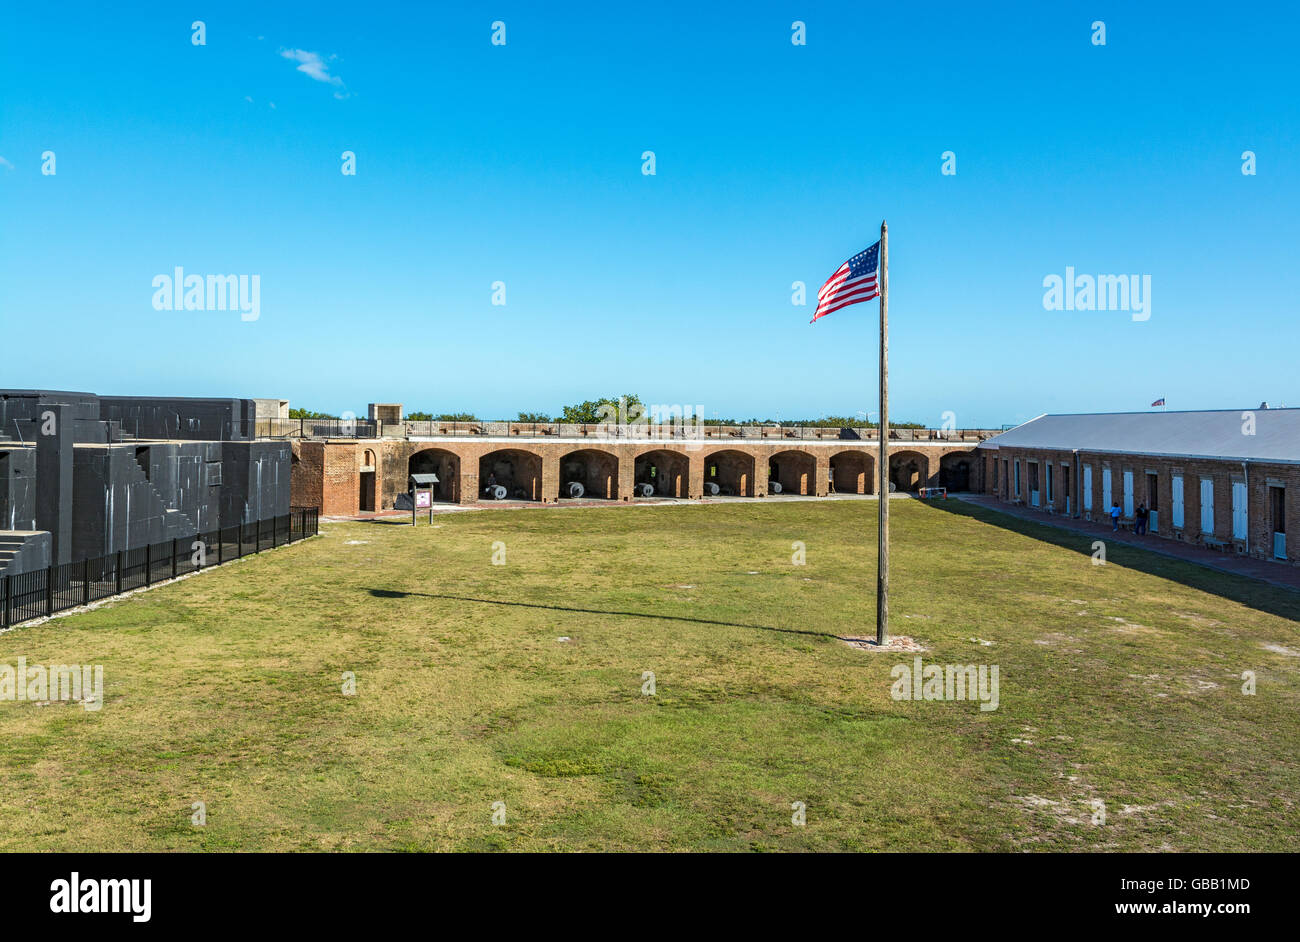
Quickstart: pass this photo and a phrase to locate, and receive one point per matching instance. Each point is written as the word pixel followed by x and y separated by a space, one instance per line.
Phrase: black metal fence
pixel 43 592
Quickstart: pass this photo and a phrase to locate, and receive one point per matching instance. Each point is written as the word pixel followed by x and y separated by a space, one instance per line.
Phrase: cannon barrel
pixel 712 489
pixel 495 492
pixel 644 490
pixel 574 489
pixel 774 487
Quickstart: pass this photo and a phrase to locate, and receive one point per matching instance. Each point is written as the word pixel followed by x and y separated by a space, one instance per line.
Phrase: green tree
pixel 590 411
pixel 533 417
pixel 308 414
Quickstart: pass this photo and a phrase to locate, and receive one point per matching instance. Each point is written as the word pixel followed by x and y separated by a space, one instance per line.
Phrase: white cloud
pixel 316 66
pixel 6 164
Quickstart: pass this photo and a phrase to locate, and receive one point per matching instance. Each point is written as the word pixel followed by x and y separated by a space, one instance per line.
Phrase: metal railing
pixel 43 592
pixel 422 428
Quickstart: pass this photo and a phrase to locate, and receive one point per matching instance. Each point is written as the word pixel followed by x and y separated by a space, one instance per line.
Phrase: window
pixel 1017 477
pixel 214 473
pixel 1087 487
pixel 1051 494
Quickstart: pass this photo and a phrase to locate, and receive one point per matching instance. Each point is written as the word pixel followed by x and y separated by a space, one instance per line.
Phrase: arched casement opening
pixel 956 471
pixel 665 473
pixel 729 473
pixel 589 473
pixel 792 472
pixel 852 472
pixel 516 471
pixel 908 470
pixel 443 463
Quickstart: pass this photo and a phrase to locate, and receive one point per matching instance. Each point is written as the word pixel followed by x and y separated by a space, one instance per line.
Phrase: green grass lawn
pixel 1119 683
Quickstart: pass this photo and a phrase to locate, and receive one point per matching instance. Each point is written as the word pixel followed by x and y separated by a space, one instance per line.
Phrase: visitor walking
pixel 1114 516
pixel 1140 519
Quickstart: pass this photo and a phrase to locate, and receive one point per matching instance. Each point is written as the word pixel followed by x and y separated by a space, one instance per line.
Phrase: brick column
pixel 626 474
pixel 550 478
pixel 468 483
pixel 820 484
pixel 696 476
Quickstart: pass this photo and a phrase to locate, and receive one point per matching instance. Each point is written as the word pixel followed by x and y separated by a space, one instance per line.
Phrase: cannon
pixel 643 490
pixel 574 489
pixel 495 492
pixel 774 487
pixel 711 489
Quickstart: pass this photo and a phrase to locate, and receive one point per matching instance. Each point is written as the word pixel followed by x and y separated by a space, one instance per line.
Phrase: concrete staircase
pixel 23 550
pixel 176 522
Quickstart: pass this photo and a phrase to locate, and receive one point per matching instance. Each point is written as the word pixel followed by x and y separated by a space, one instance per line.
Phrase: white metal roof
pixel 1230 434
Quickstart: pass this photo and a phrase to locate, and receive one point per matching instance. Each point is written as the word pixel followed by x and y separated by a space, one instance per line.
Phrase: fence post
pixel 239 543
pixel 221 549
pixel 49 590
pixel 175 544
pixel 4 610
pixel 117 574
pixel 148 564
pixel 85 581
pixel 257 541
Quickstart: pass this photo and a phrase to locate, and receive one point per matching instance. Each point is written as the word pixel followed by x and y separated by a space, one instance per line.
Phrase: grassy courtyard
pixel 1118 684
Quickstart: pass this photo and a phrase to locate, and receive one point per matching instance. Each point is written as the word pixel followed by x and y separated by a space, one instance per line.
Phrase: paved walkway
pixel 1278 574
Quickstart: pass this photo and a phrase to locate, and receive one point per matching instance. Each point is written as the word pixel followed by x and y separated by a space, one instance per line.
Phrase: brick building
pixel 345 476
pixel 1218 478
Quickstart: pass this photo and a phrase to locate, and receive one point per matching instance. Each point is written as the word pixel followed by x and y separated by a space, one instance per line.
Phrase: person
pixel 1140 519
pixel 1114 516
pixel 830 480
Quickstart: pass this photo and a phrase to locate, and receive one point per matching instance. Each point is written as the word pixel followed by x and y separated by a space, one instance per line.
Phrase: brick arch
pixel 909 470
pixel 668 472
pixel 439 461
pixel 734 471
pixel 795 471
pixel 596 469
pixel 854 472
pixel 519 471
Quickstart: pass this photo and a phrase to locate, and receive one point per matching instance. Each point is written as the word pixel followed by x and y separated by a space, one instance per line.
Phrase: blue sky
pixel 522 164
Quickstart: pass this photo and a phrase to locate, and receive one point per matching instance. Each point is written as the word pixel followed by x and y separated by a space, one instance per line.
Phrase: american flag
pixel 1159 402
pixel 852 282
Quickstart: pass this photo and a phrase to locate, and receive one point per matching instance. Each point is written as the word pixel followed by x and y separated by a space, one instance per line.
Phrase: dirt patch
pixel 1280 649
pixel 895 644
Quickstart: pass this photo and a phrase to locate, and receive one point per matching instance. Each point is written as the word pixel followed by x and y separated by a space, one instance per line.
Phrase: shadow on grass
pixel 1253 593
pixel 396 594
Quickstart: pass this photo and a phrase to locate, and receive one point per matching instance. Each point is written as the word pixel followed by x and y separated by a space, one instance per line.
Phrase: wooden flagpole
pixel 882 556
